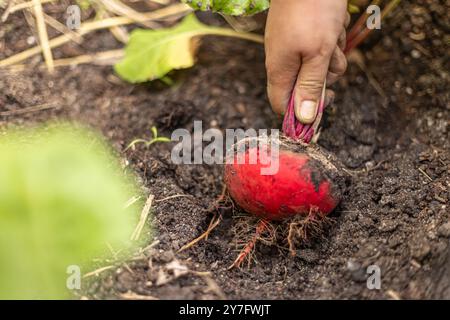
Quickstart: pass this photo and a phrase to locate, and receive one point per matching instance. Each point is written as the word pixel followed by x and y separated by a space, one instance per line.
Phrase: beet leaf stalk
pixel 360 32
pixel 296 130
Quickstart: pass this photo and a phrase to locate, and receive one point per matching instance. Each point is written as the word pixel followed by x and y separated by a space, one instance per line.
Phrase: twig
pixel 7 11
pixel 87 27
pixel 393 294
pixel 31 21
pixel 163 2
pixel 425 174
pixel 58 26
pixel 119 32
pixel 440 199
pixel 26 5
pixel 131 201
pixel 144 215
pixel 97 272
pixel 100 58
pixel 134 296
pixel 122 9
pixel 150 246
pixel 204 235
pixel 40 107
pixel 43 36
pixel 364 170
pixel 174 196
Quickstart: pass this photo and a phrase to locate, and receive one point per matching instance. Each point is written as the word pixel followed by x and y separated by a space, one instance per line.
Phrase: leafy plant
pixel 149 142
pixel 62 196
pixel 243 7
pixel 230 7
pixel 84 4
pixel 151 54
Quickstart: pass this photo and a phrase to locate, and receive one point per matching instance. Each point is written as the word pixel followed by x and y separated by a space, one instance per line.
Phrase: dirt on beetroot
pixel 388 125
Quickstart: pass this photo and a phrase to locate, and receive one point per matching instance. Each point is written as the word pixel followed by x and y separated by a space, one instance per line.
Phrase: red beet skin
pixel 306 180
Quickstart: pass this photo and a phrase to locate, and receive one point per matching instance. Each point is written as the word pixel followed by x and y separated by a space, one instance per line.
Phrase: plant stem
pixel 359 24
pixel 235 34
pixel 43 36
pixel 356 40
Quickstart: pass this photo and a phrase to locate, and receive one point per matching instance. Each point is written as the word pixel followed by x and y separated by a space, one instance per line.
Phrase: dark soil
pixel 388 125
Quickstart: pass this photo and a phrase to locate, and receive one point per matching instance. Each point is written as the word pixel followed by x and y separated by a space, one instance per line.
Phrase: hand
pixel 304 42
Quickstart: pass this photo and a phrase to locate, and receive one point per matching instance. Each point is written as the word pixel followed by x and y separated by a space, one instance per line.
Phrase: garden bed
pixel 388 125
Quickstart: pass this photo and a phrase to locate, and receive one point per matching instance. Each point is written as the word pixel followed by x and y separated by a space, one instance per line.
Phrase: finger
pixel 309 86
pixel 347 19
pixel 332 78
pixel 342 40
pixel 281 76
pixel 338 62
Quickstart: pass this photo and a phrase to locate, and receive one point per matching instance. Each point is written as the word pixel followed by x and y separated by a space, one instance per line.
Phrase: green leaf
pixel 155 138
pixel 353 8
pixel 84 4
pixel 154 131
pixel 242 7
pixel 159 139
pixel 151 54
pixel 230 7
pixel 62 196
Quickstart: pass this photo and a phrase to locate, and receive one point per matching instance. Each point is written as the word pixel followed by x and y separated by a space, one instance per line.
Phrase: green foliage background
pixel 62 196
pixel 230 7
pixel 241 7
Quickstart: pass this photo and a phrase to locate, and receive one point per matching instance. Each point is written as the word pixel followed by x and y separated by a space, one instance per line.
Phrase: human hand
pixel 304 42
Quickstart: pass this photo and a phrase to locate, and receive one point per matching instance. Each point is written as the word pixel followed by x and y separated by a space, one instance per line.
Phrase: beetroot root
pixel 308 178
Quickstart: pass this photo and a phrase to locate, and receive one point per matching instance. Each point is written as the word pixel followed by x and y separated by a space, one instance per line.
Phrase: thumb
pixel 309 87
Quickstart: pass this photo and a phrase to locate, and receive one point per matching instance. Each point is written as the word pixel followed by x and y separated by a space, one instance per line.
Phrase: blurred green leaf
pixel 242 7
pixel 151 54
pixel 84 4
pixel 353 8
pixel 62 196
pixel 230 7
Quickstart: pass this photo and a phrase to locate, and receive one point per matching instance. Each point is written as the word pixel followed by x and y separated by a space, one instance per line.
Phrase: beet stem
pixel 359 33
pixel 296 130
pixel 359 24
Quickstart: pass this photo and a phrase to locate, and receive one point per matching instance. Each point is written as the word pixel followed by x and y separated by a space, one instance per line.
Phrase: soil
pixel 388 125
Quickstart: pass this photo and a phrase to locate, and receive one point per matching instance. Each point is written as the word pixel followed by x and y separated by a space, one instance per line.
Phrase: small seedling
pixel 149 142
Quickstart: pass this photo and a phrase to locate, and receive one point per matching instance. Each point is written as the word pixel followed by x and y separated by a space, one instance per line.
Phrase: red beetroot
pixel 307 179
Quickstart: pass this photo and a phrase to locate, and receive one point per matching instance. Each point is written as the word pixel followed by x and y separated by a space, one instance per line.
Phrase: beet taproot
pixel 307 178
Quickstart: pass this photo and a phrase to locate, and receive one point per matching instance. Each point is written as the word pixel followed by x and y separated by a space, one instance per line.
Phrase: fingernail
pixel 306 112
